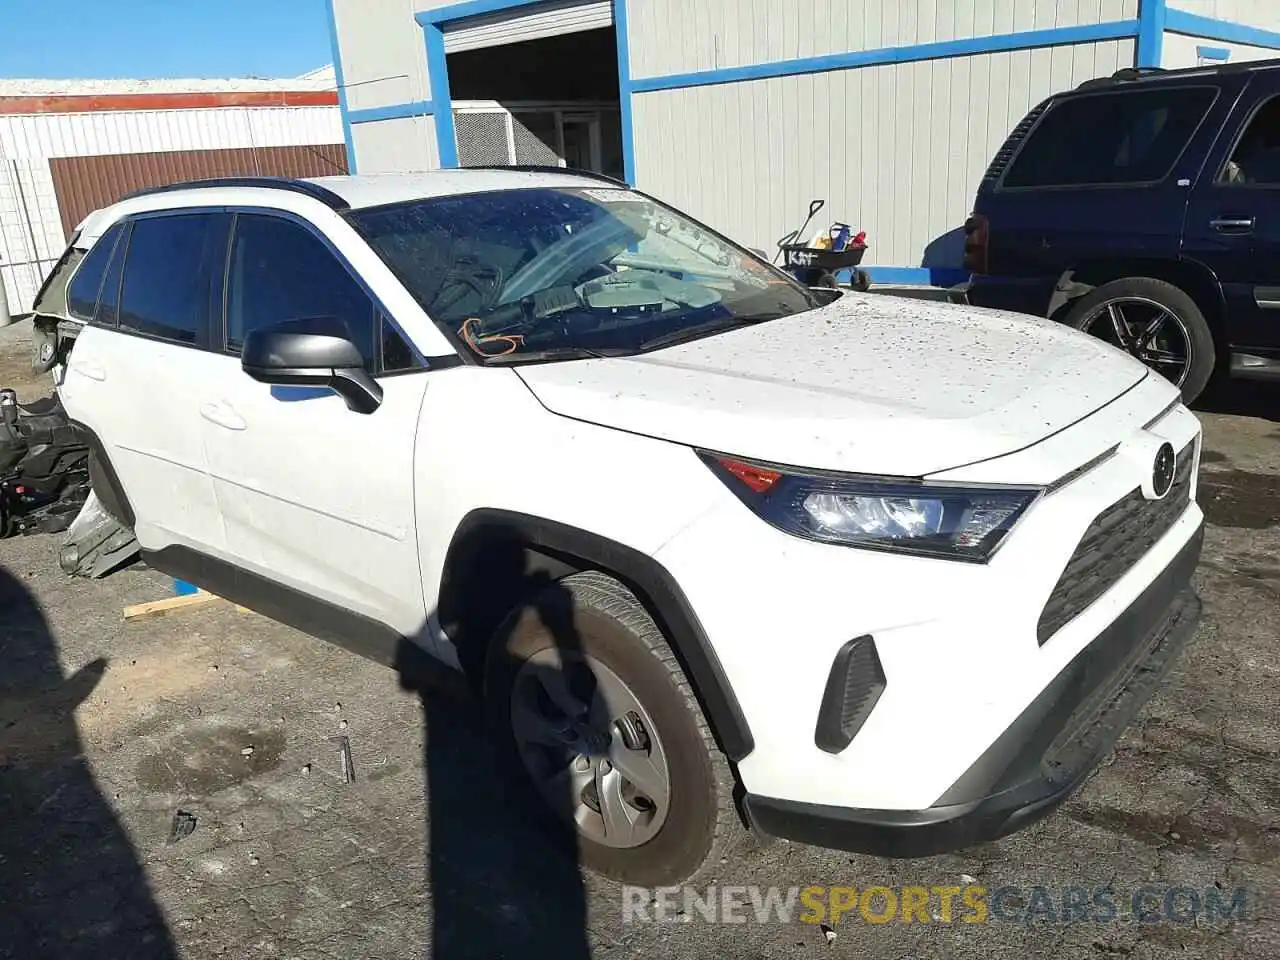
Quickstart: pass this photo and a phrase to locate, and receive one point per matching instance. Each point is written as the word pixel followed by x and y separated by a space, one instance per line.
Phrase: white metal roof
pixel 321 79
pixel 371 190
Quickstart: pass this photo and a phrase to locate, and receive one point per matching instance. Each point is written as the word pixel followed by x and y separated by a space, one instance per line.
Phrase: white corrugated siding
pixel 1180 51
pixel 145 131
pixel 30 227
pixel 516 26
pixel 388 146
pixel 679 36
pixel 1253 13
pixel 31 234
pixel 896 150
pixel 384 61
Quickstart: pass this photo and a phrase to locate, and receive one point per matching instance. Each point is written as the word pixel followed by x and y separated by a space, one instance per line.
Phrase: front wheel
pixel 601 728
pixel 1155 322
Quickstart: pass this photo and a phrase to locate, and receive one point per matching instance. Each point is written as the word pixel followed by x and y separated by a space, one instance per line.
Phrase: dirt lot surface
pixel 108 728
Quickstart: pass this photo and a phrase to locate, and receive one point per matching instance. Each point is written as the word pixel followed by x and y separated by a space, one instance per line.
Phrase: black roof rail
pixel 548 168
pixel 313 190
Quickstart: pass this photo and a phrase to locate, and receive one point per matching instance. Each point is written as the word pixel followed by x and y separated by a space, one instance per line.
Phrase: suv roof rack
pixel 1134 74
pixel 548 168
pixel 313 190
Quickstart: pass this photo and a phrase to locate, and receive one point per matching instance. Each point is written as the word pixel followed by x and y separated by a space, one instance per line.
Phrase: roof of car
pixel 374 190
pixel 1127 76
pixel 340 193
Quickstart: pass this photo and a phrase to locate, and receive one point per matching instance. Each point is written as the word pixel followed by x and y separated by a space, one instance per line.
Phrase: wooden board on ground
pixel 155 607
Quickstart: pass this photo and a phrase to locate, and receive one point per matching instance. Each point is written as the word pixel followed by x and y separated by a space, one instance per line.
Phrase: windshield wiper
pixel 706 329
pixel 559 353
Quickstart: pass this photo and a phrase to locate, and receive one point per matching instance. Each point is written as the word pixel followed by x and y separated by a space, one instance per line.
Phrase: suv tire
pixel 591 620
pixel 1150 299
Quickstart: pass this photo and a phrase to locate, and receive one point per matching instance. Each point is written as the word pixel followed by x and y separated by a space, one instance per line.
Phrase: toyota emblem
pixel 1162 470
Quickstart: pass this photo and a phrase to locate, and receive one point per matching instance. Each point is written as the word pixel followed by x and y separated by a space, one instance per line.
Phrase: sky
pixel 149 39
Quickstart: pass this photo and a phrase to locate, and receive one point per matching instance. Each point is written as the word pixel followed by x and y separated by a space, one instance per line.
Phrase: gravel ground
pixel 108 728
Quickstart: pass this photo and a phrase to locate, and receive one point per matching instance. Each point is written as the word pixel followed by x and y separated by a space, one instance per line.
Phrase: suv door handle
pixel 1234 224
pixel 89 369
pixel 222 415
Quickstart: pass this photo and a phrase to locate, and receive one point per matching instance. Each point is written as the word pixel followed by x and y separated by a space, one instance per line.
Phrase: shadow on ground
pixel 72 885
pixel 497 887
pixel 1242 398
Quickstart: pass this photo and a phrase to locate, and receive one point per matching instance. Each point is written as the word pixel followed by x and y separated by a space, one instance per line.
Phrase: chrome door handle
pixel 222 415
pixel 1233 224
pixel 89 369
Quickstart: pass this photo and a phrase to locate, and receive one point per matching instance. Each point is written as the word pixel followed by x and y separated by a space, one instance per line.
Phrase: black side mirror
pixel 313 352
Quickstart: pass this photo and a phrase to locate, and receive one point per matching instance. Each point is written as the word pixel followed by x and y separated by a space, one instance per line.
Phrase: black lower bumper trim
pixel 1045 754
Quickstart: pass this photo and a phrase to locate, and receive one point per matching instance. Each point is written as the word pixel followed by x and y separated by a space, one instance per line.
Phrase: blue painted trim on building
pixel 1213 53
pixel 470 8
pixel 1023 40
pixel 438 75
pixel 624 91
pixel 911 276
pixel 342 90
pixel 393 111
pixel 1194 25
pixel 1152 15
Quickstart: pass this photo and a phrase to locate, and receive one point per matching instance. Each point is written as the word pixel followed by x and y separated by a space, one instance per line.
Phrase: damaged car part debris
pixel 344 758
pixel 184 824
pixel 44 467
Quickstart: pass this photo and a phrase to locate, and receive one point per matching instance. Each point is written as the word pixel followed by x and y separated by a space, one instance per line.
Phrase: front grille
pixel 1117 539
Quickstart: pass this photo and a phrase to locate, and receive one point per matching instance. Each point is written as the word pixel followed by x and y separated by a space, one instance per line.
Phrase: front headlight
pixel 903 516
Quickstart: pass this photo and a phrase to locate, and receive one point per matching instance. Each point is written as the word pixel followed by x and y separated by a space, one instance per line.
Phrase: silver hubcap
pixel 590 747
pixel 1147 330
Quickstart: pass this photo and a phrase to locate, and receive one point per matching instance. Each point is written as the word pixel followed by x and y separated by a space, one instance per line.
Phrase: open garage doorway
pixel 549 100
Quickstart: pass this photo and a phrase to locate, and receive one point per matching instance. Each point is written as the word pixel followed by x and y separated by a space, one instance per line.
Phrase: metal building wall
pixel 383 60
pixel 896 150
pixel 1180 50
pixel 388 146
pixel 31 228
pixel 680 36
pixel 1264 14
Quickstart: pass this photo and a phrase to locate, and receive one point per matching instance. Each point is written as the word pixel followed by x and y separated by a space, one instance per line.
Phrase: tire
pixel 600 623
pixel 1146 296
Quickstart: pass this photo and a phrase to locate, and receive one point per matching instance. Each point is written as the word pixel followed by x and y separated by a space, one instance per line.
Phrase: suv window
pixel 1131 137
pixel 108 312
pixel 1256 159
pixel 82 293
pixel 165 292
pixel 281 271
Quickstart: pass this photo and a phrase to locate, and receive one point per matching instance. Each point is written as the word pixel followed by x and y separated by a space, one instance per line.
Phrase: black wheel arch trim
pixel 654 585
pixel 110 491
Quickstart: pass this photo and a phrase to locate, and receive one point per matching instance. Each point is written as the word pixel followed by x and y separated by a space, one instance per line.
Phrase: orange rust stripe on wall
pixel 167 101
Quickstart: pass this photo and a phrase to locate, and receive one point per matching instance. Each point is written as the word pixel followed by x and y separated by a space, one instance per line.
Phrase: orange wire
pixel 514 340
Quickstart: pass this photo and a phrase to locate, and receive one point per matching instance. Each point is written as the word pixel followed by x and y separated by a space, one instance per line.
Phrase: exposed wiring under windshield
pixel 514 340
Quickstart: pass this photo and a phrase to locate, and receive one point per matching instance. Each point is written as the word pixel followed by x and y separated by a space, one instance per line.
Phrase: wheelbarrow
pixel 817 266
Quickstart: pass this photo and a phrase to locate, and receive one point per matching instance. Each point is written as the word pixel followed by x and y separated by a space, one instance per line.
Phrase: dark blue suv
pixel 1144 208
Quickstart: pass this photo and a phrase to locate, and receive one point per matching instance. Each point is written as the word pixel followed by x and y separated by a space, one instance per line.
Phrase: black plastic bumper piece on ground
pixel 1045 754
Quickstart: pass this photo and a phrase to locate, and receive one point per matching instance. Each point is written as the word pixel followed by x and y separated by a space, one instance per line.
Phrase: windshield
pixel 549 273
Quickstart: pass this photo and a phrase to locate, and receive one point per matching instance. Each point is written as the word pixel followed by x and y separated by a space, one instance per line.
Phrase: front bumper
pixel 1044 755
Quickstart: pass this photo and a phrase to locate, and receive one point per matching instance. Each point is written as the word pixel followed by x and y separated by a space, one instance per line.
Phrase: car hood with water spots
pixel 867 384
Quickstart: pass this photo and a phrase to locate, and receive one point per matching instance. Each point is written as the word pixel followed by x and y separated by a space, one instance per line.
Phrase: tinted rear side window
pixel 1130 137
pixel 82 293
pixel 166 288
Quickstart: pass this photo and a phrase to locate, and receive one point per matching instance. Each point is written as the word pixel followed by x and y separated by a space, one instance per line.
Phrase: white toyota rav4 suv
pixel 714 547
